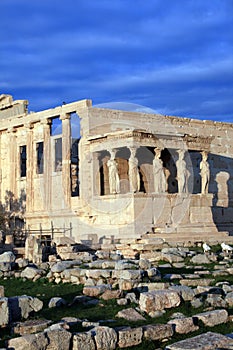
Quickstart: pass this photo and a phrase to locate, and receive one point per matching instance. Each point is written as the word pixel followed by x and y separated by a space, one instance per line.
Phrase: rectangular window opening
pixel 74 168
pixel 23 161
pixel 56 126
pixel 39 157
pixel 58 154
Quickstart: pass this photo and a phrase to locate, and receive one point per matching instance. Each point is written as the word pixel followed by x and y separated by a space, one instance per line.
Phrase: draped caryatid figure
pixel 205 173
pixel 160 182
pixel 114 181
pixel 134 177
pixel 182 172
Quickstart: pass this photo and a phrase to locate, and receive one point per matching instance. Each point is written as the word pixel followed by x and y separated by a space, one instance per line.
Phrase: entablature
pixel 142 138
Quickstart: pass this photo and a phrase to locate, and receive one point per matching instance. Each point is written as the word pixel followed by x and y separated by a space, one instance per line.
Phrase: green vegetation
pixel 105 311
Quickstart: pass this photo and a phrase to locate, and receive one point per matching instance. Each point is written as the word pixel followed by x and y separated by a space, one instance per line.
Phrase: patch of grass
pixel 225 278
pixel 42 289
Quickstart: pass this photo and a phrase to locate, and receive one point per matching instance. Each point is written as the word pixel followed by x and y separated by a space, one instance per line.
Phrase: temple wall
pixel 108 134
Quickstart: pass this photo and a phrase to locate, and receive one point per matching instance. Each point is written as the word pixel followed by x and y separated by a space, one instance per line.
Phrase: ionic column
pixel 96 173
pixel 113 176
pixel 47 163
pixel 134 177
pixel 30 170
pixel 14 165
pixel 66 147
pixel 182 172
pixel 205 173
pixel 160 182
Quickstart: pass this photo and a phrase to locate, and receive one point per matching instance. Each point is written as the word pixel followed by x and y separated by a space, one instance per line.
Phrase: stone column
pixel 47 163
pixel 134 177
pixel 182 172
pixel 114 181
pixel 14 171
pixel 205 173
pixel 160 182
pixel 30 169
pixel 96 173
pixel 66 146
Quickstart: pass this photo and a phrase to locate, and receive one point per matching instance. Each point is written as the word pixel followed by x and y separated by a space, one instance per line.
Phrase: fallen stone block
pixel 6 266
pixel 29 342
pixel 4 312
pixel 31 273
pixel 127 285
pixel 212 318
pixel 171 258
pixel 183 325
pixel 83 341
pixel 7 257
pixel 158 331
pixel 94 291
pixel 229 299
pixel 31 326
pixel 22 306
pixel 196 282
pixel 200 259
pixel 105 338
pixel 129 337
pixel 153 274
pixel 56 302
pixel 96 274
pixel 185 292
pixel 207 341
pixel 61 266
pixel 130 315
pixel 158 300
pixel 59 339
pixel 111 294
pixel 215 301
pixel 128 275
pixel 124 265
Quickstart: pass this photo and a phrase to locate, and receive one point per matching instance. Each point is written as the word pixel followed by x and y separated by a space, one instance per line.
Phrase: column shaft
pixel 47 164
pixel 30 170
pixel 66 148
pixel 14 171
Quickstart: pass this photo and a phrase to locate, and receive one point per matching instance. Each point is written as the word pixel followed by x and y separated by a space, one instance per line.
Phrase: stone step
pixel 188 237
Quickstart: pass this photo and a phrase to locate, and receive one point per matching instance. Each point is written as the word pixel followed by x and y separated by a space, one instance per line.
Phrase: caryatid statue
pixel 158 171
pixel 205 173
pixel 114 181
pixel 182 173
pixel 134 177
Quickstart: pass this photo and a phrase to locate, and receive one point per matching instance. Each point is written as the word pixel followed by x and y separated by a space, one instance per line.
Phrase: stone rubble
pixel 138 284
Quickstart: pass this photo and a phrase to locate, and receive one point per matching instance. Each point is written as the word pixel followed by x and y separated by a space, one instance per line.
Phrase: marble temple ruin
pixel 114 174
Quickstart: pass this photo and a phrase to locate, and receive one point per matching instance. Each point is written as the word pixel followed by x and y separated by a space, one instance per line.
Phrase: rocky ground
pixel 150 286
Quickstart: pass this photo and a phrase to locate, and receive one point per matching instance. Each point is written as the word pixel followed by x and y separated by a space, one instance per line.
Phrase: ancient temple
pixel 115 174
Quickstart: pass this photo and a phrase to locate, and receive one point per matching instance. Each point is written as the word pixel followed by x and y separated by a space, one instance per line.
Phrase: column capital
pixel 112 152
pixel 46 121
pixel 181 153
pixel 133 150
pixel 157 151
pixel 29 125
pixel 96 155
pixel 64 116
pixel 11 129
pixel 204 154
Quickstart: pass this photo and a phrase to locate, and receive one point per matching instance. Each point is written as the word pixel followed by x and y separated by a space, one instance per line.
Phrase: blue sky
pixel 174 56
